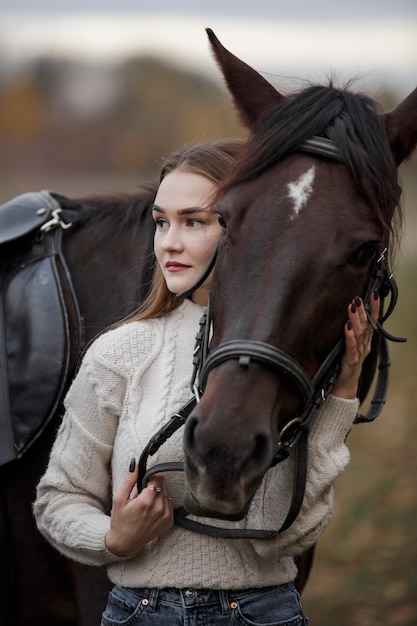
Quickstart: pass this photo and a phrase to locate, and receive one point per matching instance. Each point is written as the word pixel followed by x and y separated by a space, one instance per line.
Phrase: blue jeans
pixel 269 606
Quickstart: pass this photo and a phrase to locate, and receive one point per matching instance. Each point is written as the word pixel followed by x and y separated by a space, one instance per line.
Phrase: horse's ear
pixel 253 96
pixel 401 125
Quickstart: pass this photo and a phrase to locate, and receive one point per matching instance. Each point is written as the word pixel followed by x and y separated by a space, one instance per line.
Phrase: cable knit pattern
pixel 131 380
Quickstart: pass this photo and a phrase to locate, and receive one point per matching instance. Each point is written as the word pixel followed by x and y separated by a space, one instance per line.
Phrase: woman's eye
pixel 193 223
pixel 161 224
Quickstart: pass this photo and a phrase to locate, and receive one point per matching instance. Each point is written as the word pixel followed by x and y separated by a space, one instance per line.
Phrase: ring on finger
pixel 154 488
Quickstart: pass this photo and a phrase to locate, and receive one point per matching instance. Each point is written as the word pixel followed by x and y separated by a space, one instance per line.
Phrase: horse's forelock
pixel 351 120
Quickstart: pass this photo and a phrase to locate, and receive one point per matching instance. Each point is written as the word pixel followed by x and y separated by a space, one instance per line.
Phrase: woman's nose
pixel 172 240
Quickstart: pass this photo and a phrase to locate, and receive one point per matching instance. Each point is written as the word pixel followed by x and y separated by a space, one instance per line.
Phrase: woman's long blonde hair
pixel 210 159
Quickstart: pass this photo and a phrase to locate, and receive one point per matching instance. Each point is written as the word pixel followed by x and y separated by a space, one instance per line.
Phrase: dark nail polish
pixel 376 294
pixel 132 465
pixel 353 307
pixel 349 325
pixel 358 301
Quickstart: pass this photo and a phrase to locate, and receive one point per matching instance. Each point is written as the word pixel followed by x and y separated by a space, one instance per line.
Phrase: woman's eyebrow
pixel 187 211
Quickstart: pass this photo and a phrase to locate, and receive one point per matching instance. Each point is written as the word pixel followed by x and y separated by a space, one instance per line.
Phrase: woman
pixel 131 380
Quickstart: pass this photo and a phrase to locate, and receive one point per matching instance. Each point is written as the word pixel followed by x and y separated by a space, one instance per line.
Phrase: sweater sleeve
pixel 72 503
pixel 328 456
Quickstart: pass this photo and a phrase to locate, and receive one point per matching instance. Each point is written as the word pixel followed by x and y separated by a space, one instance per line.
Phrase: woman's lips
pixel 173 266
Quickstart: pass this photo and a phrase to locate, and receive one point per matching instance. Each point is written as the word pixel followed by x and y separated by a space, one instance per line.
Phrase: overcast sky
pixel 301 9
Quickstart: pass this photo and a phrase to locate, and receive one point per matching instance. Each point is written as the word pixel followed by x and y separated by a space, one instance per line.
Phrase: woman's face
pixel 187 230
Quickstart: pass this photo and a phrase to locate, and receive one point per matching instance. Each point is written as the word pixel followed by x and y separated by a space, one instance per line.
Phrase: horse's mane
pixel 115 211
pixel 351 120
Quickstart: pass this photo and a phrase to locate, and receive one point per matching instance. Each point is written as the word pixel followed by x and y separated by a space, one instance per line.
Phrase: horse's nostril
pixel 261 449
pixel 189 434
pixel 259 456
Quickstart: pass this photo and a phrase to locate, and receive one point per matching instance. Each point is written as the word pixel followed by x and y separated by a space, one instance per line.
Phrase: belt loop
pixel 153 598
pixel 224 602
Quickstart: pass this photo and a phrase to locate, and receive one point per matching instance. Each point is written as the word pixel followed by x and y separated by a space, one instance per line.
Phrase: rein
pixel 313 392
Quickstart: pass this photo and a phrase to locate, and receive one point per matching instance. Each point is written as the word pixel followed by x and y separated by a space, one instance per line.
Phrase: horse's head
pixel 306 220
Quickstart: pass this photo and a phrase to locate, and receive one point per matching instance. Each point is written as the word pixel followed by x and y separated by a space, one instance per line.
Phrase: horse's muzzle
pixel 219 509
pixel 227 502
pixel 220 479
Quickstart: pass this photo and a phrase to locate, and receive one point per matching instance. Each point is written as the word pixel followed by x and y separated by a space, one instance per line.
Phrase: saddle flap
pixel 25 213
pixel 40 328
pixel 36 345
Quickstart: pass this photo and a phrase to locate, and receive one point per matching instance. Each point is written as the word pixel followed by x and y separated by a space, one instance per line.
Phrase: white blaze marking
pixel 301 190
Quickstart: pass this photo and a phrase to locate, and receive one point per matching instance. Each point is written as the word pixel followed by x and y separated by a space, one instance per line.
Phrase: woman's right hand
pixel 137 520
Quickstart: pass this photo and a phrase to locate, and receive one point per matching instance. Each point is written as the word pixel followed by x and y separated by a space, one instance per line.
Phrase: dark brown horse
pixel 309 209
pixel 107 251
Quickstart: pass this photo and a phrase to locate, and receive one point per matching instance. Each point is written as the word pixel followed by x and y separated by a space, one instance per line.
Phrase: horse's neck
pixel 111 271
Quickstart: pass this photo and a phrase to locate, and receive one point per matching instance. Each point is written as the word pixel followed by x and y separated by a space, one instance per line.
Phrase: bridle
pixel 313 392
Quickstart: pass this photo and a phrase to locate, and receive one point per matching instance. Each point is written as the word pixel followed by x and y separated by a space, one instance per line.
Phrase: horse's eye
pixel 364 255
pixel 222 221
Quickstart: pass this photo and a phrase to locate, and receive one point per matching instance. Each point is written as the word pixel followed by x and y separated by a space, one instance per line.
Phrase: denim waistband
pixel 189 596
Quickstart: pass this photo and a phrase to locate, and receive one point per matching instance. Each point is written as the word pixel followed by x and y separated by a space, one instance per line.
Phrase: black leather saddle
pixel 39 319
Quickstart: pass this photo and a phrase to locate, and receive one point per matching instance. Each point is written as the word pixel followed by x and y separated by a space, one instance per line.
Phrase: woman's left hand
pixel 358 337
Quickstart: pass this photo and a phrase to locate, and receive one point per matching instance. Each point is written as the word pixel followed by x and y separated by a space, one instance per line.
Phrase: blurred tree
pixel 23 121
pixel 66 116
pixel 161 107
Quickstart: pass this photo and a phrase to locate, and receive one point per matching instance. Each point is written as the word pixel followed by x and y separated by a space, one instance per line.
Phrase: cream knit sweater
pixel 131 380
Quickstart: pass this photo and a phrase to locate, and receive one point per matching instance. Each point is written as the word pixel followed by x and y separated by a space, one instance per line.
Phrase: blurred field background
pixel 365 571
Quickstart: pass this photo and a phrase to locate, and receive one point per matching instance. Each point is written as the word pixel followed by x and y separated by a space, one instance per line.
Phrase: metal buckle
pixel 55 221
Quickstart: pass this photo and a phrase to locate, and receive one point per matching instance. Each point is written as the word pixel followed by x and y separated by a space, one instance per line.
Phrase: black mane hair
pixel 116 211
pixel 351 120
